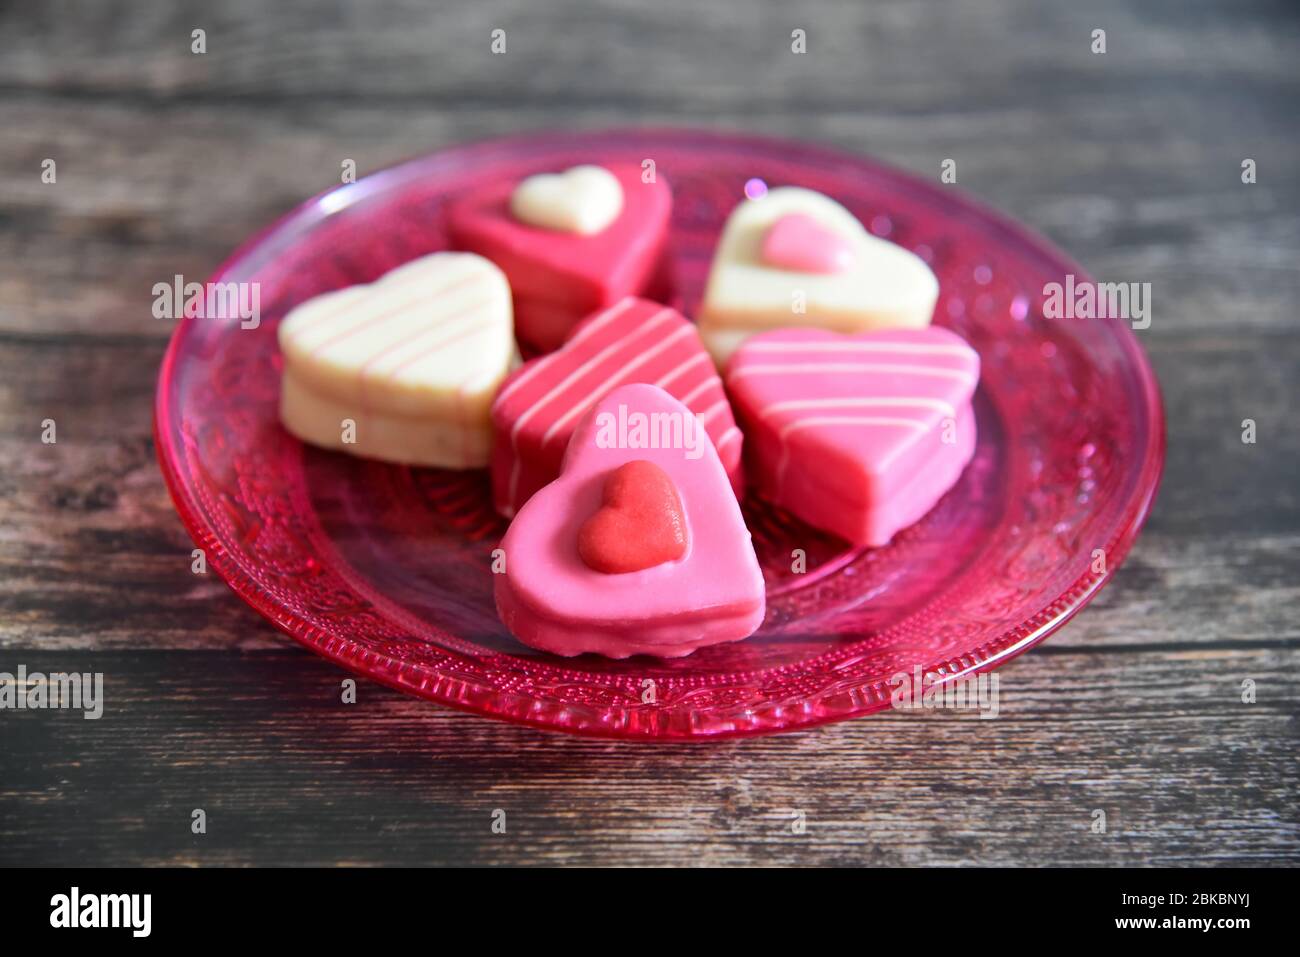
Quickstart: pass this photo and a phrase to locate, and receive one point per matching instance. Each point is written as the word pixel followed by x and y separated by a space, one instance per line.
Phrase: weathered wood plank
pixel 83 253
pixel 1140 188
pixel 1184 771
pixel 677 49
pixel 167 160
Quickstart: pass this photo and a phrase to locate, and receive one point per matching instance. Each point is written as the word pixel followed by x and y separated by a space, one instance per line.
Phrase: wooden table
pixel 166 159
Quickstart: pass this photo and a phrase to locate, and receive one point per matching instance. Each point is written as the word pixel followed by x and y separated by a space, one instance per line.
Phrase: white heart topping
pixel 583 200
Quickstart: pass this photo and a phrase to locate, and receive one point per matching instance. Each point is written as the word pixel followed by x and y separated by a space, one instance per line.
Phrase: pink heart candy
pixel 799 243
pixel 708 590
pixel 859 435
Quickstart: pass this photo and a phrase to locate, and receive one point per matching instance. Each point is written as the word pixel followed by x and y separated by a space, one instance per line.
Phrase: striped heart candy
pixel 858 435
pixel 633 341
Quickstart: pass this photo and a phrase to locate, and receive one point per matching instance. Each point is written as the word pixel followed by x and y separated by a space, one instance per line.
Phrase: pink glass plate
pixel 386 570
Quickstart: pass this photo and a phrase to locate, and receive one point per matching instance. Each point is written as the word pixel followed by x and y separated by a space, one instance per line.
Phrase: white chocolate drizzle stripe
pixel 868 420
pixel 688 365
pixel 873 420
pixel 859 402
pixel 904 348
pixel 621 376
pixel 962 375
pixel 727 436
pixel 699 390
pixel 538 365
pixel 568 380
pixel 712 410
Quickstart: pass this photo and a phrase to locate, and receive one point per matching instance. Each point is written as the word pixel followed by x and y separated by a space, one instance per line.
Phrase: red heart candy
pixel 639 525
pixel 558 277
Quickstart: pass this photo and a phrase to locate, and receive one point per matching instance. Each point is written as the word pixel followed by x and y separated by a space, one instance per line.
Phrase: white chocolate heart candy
pixel 412 360
pixel 875 285
pixel 584 200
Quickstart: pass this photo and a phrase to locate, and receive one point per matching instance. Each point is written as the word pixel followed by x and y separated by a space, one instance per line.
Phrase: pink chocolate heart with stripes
pixel 633 341
pixel 859 435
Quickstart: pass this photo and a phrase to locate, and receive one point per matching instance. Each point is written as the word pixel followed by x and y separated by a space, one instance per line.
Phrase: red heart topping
pixel 639 525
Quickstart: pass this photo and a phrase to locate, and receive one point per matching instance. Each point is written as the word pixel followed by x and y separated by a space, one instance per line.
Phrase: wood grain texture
pixel 167 160
pixel 260 741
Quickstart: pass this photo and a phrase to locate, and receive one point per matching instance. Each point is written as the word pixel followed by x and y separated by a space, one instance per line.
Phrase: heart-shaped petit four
pixel 858 435
pixel 557 592
pixel 797 258
pixel 402 369
pixel 632 341
pixel 558 273
pixel 583 200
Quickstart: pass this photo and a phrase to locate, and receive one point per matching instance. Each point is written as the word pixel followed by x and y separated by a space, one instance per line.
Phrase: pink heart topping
pixel 799 243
